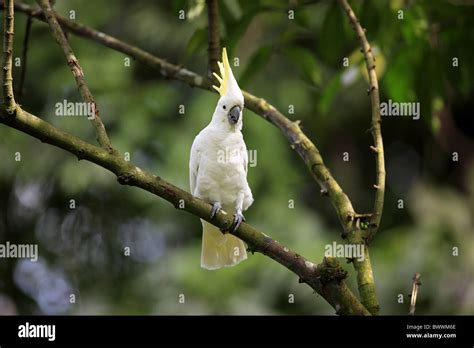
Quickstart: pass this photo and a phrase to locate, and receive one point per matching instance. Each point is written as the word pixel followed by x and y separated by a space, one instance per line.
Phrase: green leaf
pixel 303 18
pixel 256 64
pixel 327 97
pixel 274 4
pixel 197 42
pixel 306 63
pixel 234 8
pixel 235 30
pixel 331 37
pixel 236 21
pixel 178 5
pixel 399 78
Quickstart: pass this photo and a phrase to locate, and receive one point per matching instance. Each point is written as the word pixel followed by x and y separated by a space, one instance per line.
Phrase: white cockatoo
pixel 218 172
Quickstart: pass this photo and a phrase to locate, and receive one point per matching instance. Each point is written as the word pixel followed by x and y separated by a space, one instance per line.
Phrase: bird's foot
pixel 215 209
pixel 238 218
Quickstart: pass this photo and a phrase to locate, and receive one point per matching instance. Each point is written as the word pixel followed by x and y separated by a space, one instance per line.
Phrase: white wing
pixel 194 164
pixel 246 159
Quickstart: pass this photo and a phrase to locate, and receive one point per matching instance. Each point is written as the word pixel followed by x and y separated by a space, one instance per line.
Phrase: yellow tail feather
pixel 220 250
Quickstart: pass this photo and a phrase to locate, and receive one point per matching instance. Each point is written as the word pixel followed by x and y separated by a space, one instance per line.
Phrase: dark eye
pixel 225 107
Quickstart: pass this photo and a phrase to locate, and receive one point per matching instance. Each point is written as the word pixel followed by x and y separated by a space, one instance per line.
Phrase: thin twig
pixel 24 56
pixel 214 47
pixel 414 293
pixel 8 33
pixel 365 276
pixel 376 130
pixel 77 72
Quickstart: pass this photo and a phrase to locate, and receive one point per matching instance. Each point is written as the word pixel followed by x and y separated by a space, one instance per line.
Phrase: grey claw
pixel 215 208
pixel 238 218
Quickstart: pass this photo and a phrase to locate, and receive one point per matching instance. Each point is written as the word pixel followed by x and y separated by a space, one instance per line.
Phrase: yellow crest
pixel 226 74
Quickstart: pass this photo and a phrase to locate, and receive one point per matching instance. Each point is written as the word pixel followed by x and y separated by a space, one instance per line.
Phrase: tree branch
pixel 327 279
pixel 414 293
pixel 375 122
pixel 365 277
pixel 366 283
pixel 77 72
pixel 214 48
pixel 7 80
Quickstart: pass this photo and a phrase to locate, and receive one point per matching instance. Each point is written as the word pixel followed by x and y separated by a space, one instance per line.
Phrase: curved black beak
pixel 234 114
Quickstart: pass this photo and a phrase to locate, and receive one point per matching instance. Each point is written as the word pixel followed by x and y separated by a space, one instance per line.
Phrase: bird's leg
pixel 238 218
pixel 216 206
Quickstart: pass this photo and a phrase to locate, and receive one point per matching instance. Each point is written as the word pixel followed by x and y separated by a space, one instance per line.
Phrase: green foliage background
pixel 296 63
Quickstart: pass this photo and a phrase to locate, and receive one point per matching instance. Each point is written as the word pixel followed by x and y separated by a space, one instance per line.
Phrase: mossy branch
pixel 365 277
pixel 7 77
pixel 376 120
pixel 414 292
pixel 327 279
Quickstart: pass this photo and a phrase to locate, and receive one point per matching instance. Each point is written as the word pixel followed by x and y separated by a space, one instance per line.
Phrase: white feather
pixel 218 173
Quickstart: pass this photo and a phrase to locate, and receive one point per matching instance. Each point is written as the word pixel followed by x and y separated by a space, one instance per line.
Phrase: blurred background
pixel 296 63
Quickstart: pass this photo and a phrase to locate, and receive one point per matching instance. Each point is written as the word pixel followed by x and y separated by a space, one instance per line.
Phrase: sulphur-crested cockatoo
pixel 218 172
